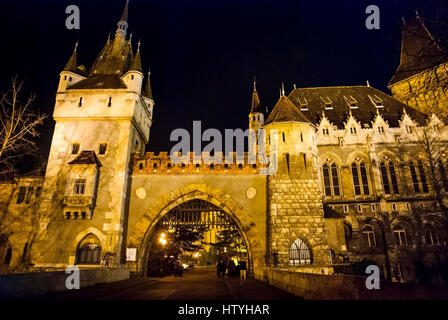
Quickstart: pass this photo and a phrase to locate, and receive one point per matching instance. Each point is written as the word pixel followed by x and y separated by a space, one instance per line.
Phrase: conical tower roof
pixel 72 63
pixel 419 50
pixel 285 111
pixel 255 103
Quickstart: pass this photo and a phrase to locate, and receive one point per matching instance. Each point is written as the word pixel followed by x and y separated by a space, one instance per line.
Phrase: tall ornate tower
pixel 421 78
pixel 102 117
pixel 296 222
pixel 256 119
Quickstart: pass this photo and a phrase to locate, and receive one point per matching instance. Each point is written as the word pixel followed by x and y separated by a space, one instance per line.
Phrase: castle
pixel 351 183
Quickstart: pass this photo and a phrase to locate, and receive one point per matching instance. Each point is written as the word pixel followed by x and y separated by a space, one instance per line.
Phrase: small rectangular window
pixel 394 206
pixel 373 207
pixel 29 192
pixel 109 103
pixel 345 207
pixel 359 208
pixel 381 129
pixel 38 192
pixel 21 195
pixel 80 186
pixel 75 148
pixel 80 102
pixel 102 148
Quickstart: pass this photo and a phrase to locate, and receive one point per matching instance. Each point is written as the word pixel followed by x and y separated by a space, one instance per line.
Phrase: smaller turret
pixel 71 72
pixel 134 77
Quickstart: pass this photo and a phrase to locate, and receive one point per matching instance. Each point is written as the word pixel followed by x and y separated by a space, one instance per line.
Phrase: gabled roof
pixel 285 111
pixel 86 157
pixel 365 111
pixel 419 50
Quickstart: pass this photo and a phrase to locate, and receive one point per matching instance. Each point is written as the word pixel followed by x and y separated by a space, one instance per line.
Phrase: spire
pixel 283 89
pixel 137 63
pixel 148 91
pixel 72 63
pixel 255 103
pixel 122 25
pixel 124 15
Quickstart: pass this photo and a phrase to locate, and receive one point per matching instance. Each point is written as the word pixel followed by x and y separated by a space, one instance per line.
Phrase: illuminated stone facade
pixel 344 185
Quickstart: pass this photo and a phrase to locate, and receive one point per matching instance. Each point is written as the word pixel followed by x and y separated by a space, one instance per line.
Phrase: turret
pixel 71 72
pixel 134 77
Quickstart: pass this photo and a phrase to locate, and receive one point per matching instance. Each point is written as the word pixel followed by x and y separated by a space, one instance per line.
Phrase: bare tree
pixel 18 128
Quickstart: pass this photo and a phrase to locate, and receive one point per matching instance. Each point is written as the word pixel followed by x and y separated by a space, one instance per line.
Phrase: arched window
pixel 421 185
pixel 400 235
pixel 421 170
pixel 300 253
pixel 331 180
pixel 385 178
pixel 414 177
pixel 356 183
pixel 368 234
pixel 360 171
pixel 442 173
pixel 89 250
pixel 431 236
pixel 389 177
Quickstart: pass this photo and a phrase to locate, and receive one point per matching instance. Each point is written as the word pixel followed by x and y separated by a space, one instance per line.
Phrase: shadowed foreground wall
pixel 342 287
pixel 18 286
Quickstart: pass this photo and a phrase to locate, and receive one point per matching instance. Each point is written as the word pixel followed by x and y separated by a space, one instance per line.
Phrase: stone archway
pixel 144 227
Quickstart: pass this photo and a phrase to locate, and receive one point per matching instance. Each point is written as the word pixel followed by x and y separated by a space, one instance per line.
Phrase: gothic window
pixel 389 177
pixel 381 129
pixel 331 180
pixel 431 236
pixel 360 186
pixel 385 178
pixel 393 177
pixel 369 236
pixel 325 131
pixel 442 173
pixel 89 250
pixel 414 177
pixel 356 182
pixel 80 186
pixel 327 183
pixel 300 253
pixel 353 130
pixel 422 176
pixel 21 195
pixel 400 235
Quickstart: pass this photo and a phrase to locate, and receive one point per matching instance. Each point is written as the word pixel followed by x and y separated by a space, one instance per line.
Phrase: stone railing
pixel 344 287
pixel 24 285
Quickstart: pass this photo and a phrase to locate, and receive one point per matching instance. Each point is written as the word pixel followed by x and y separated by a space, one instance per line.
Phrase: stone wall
pixel 24 285
pixel 343 287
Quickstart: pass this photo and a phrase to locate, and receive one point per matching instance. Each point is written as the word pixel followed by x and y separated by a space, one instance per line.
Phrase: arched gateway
pixel 210 203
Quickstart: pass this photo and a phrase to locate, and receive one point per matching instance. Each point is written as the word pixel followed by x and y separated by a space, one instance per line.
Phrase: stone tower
pixel 256 119
pixel 102 117
pixel 295 209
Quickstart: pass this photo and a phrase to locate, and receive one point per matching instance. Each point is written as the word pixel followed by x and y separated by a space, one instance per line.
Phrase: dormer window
pixel 351 102
pixel 377 101
pixel 303 104
pixel 327 102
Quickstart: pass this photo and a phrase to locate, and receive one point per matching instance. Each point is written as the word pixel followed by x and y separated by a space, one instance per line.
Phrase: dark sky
pixel 204 54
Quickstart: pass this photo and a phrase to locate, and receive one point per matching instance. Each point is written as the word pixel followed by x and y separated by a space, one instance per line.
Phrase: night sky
pixel 203 55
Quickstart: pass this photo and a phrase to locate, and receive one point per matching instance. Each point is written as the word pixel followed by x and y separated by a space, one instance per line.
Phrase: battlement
pixel 150 163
